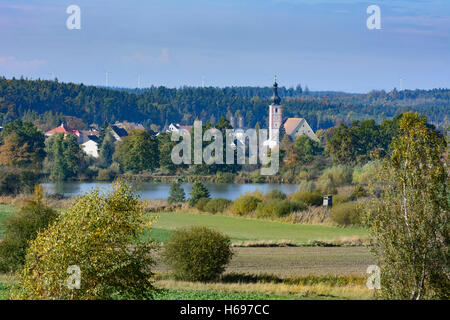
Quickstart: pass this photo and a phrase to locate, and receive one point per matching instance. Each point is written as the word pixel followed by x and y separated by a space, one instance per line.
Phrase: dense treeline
pixel 42 99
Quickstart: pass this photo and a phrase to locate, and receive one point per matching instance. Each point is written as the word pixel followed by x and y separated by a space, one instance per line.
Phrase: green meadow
pixel 247 229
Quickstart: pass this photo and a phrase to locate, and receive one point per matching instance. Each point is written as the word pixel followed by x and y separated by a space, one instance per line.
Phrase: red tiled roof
pixel 188 128
pixel 62 129
pixel 291 124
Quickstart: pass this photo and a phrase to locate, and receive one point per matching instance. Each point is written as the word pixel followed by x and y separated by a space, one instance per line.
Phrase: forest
pixel 48 101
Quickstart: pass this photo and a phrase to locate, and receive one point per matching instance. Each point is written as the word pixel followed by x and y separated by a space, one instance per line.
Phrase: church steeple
pixel 276 100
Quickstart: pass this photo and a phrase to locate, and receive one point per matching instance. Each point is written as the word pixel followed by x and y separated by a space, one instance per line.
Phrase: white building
pixel 90 147
pixel 275 118
pixel 296 127
pixel 175 127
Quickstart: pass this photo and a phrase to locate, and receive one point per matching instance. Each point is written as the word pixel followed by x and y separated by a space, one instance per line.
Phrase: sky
pixel 324 44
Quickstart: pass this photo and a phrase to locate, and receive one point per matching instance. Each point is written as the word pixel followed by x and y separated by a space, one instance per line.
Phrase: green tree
pixel 165 146
pixel 410 220
pixel 64 158
pixel 104 130
pixel 177 193
pixel 306 149
pixel 23 227
pixel 198 191
pixel 138 152
pixel 100 235
pixel 198 253
pixel 107 149
pixel 22 145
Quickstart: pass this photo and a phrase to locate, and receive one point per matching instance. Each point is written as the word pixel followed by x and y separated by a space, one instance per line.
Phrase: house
pixel 175 127
pixel 118 133
pixel 90 147
pixel 129 126
pixel 295 127
pixel 87 135
pixel 65 130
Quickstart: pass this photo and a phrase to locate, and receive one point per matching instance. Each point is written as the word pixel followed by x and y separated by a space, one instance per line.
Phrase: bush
pixel 245 204
pixel 303 175
pixel 310 198
pixel 358 192
pixel 15 181
pixel 177 193
pixel 198 253
pixel 339 198
pixel 217 205
pixel 278 208
pixel 346 214
pixel 95 235
pixel 275 194
pixel 224 177
pixel 327 186
pixel 198 191
pixel 33 217
pixel 306 186
pixel 201 203
pixel 340 175
pixel 368 173
pixel 106 175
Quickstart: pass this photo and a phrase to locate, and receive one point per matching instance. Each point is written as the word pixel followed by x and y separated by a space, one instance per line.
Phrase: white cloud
pixel 12 64
pixel 163 58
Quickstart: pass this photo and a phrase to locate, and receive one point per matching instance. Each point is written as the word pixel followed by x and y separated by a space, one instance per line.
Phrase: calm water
pixel 161 191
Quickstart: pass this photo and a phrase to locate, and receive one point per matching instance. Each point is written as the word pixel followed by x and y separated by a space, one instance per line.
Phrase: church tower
pixel 275 114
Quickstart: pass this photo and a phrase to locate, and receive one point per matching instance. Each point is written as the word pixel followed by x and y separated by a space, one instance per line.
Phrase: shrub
pixel 94 235
pixel 201 203
pixel 310 198
pixel 224 177
pixel 177 193
pixel 217 205
pixel 340 175
pixel 327 186
pixel 358 192
pixel 198 191
pixel 339 198
pixel 306 186
pixel 346 214
pixel 298 206
pixel 303 175
pixel 14 181
pixel 275 194
pixel 198 253
pixel 33 217
pixel 278 208
pixel 368 173
pixel 245 204
pixel 106 175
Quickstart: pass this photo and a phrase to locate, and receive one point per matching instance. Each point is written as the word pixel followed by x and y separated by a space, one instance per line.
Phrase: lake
pixel 150 190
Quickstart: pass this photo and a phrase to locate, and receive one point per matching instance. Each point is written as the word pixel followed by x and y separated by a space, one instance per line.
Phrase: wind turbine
pixel 107 79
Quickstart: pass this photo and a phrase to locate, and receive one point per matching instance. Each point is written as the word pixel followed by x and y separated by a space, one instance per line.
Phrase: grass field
pixel 217 295
pixel 238 228
pixel 284 263
pixel 245 229
pixel 288 262
pixel 5 212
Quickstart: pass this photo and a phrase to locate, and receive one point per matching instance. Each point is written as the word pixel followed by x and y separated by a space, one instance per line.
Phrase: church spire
pixel 276 100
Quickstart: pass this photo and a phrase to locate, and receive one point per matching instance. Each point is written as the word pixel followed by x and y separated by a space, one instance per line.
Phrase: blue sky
pixel 324 44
